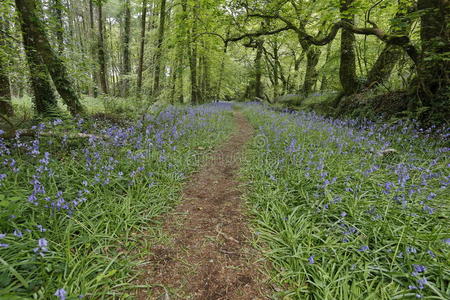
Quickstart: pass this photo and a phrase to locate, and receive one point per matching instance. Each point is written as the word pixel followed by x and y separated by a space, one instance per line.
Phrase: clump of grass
pixel 69 204
pixel 343 216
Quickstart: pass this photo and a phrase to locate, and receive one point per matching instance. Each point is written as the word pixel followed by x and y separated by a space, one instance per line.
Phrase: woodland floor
pixel 208 255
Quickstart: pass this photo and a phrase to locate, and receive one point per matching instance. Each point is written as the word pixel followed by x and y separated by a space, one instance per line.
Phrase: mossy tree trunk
pixel 159 49
pixel 101 51
pixel 259 92
pixel 5 88
pixel 347 69
pixel 33 29
pixel 142 47
pixel 434 67
pixel 311 74
pixel 126 63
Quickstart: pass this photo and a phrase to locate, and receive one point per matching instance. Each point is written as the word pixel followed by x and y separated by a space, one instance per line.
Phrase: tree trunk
pixel 126 64
pixel 141 48
pixel 347 70
pixel 35 31
pixel 324 84
pixel 5 88
pixel 275 70
pixel 434 68
pixel 221 71
pixel 44 100
pixel 59 26
pixel 93 49
pixel 391 54
pixel 159 46
pixel 311 74
pixel 259 92
pixel 101 51
pixel 192 46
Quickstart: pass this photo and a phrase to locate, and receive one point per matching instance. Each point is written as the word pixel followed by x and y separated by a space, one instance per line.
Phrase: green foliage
pixel 341 217
pixel 101 193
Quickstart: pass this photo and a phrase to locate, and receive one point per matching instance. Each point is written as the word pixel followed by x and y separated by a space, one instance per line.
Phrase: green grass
pixel 337 219
pixel 125 178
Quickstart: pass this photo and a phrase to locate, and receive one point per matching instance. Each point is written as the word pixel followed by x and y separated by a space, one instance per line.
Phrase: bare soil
pixel 209 255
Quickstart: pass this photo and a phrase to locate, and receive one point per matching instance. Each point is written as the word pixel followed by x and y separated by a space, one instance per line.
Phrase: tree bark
pixel 101 51
pixel 192 45
pixel 28 13
pixel 126 64
pixel 391 54
pixel 434 69
pixel 93 49
pixel 324 83
pixel 44 100
pixel 59 26
pixel 347 69
pixel 221 71
pixel 5 88
pixel 141 47
pixel 311 74
pixel 259 92
pixel 159 46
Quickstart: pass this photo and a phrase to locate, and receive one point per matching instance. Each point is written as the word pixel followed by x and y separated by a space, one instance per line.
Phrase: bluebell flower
pixel 363 248
pixel 418 269
pixel 61 294
pixel 311 259
pixel 421 283
pixel 17 233
pixel 410 250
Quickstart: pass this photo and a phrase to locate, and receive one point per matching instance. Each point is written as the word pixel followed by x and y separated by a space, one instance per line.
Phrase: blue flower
pixel 418 269
pixel 18 233
pixel 311 259
pixel 363 248
pixel 42 247
pixel 61 294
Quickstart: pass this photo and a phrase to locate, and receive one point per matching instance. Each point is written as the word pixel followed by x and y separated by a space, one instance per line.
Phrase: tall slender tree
pixel 159 47
pixel 126 63
pixel 347 70
pixel 141 47
pixel 34 33
pixel 5 88
pixel 101 50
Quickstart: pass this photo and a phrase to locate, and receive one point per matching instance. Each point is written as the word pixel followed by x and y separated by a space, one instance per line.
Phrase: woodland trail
pixel 209 255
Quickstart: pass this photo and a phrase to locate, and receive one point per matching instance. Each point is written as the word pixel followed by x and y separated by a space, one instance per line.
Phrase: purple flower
pixel 61 294
pixel 363 248
pixel 421 283
pixel 410 250
pixel 40 228
pixel 311 259
pixel 343 214
pixel 446 241
pixel 2 245
pixel 418 269
pixel 18 233
pixel 42 247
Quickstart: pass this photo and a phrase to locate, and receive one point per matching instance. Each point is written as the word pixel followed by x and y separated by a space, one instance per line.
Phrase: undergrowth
pixel 70 202
pixel 350 210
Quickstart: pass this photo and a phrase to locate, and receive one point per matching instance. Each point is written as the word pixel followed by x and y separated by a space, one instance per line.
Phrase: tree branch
pixel 397 40
pixel 257 34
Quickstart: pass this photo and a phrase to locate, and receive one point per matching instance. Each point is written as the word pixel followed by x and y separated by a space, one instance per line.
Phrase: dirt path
pixel 209 256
